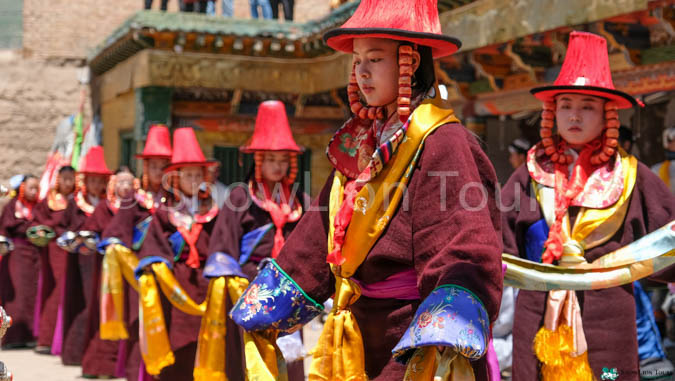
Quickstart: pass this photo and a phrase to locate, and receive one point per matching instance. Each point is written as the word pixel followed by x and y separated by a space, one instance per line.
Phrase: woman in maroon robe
pixel 405 232
pixel 70 334
pixel 180 234
pixel 47 214
pixel 19 268
pixel 574 182
pixel 100 356
pixel 251 234
pixel 130 225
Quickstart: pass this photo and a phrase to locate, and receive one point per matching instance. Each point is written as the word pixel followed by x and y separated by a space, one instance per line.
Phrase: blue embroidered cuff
pixel 103 245
pixel 89 239
pixel 220 264
pixel 140 231
pixel 451 316
pixel 6 245
pixel 138 271
pixel 66 241
pixel 274 300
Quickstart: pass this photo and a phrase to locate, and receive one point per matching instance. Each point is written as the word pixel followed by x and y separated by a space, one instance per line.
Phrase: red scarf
pixel 280 212
pixel 190 237
pixel 566 191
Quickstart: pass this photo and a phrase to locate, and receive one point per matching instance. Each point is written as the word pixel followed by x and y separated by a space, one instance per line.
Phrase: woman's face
pixel 580 118
pixel 155 169
pixel 66 182
pixel 376 68
pixel 190 178
pixel 124 185
pixel 96 184
pixel 31 189
pixel 275 166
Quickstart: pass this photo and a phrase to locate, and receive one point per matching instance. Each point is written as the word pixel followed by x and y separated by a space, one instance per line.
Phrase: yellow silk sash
pixel 339 354
pixel 664 172
pixel 210 359
pixel 153 337
pixel 427 363
pixel 118 262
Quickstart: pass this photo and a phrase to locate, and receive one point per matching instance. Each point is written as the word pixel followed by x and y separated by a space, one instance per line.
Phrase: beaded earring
pixel 611 136
pixel 405 65
pixel 292 168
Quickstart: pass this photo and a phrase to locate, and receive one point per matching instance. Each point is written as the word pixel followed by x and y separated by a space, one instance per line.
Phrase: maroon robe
pixel 231 225
pixel 608 315
pixel 183 328
pixel 441 239
pixel 18 277
pixel 74 299
pixel 122 227
pixel 100 356
pixel 53 268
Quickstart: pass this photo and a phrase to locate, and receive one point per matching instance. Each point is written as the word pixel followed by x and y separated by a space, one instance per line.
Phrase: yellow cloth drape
pixel 427 363
pixel 664 172
pixel 264 361
pixel 118 262
pixel 210 358
pixel 339 354
pixel 153 337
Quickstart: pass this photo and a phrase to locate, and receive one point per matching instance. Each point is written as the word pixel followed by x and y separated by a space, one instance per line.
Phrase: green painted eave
pixel 200 23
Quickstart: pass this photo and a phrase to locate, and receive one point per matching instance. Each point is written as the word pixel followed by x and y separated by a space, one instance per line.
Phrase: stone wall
pixel 40 82
pixel 35 95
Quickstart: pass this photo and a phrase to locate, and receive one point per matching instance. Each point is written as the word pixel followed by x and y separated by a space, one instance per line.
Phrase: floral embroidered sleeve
pixel 274 300
pixel 456 245
pixel 451 316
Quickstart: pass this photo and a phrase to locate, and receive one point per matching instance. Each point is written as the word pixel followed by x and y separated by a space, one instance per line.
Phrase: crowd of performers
pixel 410 237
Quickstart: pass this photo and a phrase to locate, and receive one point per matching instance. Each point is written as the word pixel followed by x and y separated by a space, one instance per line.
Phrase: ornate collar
pixel 354 149
pixel 603 188
pixel 185 220
pixel 82 203
pixel 56 201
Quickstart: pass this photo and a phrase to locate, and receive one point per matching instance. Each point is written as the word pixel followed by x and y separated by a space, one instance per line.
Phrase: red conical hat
pixel 585 71
pixel 272 132
pixel 186 150
pixel 158 143
pixel 415 21
pixel 93 162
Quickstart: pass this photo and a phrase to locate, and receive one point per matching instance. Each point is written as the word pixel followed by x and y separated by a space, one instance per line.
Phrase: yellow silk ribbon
pixel 118 262
pixel 153 337
pixel 339 354
pixel 264 361
pixel 427 363
pixel 561 344
pixel 664 172
pixel 210 359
